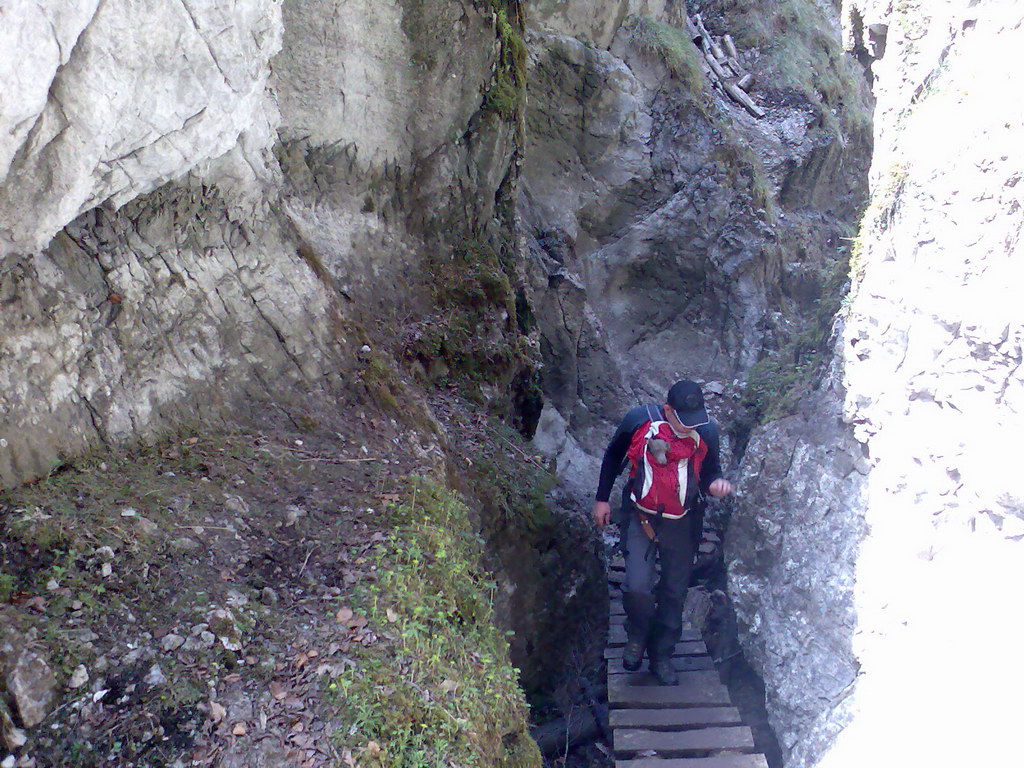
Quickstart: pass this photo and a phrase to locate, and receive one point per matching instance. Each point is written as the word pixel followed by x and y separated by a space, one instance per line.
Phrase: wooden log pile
pixel 722 66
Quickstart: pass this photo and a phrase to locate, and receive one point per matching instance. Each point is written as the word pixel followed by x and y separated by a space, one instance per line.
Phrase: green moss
pixel 507 92
pixel 673 47
pixel 436 688
pixel 777 382
pixel 6 586
pixel 512 484
pixel 382 382
pixel 745 170
pixel 879 214
pixel 474 327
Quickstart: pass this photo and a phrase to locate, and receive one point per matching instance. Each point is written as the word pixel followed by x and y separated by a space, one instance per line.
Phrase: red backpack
pixel 664 469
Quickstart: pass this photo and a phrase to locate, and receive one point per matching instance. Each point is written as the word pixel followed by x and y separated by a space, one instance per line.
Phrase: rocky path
pixel 689 725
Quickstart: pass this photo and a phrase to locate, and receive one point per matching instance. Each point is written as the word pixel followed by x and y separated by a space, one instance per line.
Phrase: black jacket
pixel 615 455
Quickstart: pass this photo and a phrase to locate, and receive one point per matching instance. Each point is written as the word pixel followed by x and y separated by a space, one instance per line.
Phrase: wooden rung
pixel 716 761
pixel 694 690
pixel 644 679
pixel 683 648
pixel 666 719
pixel 683 743
pixel 682 664
pixel 617 635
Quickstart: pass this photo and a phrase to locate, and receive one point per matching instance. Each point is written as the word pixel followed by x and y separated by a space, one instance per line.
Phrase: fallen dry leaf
pixel 239 729
pixel 217 712
pixel 373 748
pixel 344 615
pixel 392 614
pixel 277 690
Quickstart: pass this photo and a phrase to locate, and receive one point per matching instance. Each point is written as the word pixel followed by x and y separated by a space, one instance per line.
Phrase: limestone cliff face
pixel 204 200
pixel 207 205
pixel 672 234
pixel 894 531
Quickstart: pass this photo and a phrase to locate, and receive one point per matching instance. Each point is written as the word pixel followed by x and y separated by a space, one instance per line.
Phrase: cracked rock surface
pixel 881 526
pixel 204 201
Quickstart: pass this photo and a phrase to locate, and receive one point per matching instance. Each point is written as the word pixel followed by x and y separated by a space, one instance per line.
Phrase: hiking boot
pixel 632 655
pixel 664 670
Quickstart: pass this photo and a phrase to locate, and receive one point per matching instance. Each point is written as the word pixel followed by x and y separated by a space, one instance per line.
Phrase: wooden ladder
pixel 689 725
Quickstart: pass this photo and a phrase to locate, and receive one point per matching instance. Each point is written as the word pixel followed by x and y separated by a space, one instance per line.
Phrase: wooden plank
pixel 644 679
pixel 716 761
pixel 668 719
pixel 682 664
pixel 693 743
pixel 713 537
pixel 683 648
pixel 617 635
pixel 706 548
pixel 693 690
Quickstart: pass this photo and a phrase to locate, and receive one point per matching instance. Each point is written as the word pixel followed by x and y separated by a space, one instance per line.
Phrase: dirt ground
pixel 190 595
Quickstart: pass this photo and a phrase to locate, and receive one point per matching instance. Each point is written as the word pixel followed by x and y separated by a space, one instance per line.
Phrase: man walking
pixel 672 451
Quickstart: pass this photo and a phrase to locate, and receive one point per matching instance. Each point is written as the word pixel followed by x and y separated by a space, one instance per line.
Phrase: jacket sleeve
pixel 711 470
pixel 615 454
pixel 612 464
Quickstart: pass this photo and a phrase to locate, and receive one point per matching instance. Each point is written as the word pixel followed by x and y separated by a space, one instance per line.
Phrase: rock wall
pixel 207 207
pixel 872 571
pixel 671 233
pixel 202 201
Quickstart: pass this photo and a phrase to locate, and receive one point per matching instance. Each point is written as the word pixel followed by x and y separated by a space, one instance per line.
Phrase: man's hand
pixel 719 488
pixel 602 513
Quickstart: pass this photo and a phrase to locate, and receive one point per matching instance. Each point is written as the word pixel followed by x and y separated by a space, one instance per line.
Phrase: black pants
pixel 654 606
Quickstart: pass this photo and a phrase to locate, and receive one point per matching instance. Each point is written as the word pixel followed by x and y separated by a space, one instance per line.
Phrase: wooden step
pixel 692 743
pixel 695 689
pixel 674 719
pixel 716 761
pixel 682 664
pixel 644 678
pixel 683 648
pixel 617 635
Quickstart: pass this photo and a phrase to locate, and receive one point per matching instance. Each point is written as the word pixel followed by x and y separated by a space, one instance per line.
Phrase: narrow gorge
pixel 317 316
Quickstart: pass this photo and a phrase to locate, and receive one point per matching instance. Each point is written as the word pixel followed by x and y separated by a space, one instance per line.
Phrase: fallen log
pixel 740 97
pixel 716 49
pixel 736 67
pixel 692 30
pixel 730 46
pixel 716 67
pixel 746 81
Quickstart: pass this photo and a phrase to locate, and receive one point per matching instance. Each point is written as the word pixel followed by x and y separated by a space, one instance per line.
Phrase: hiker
pixel 672 450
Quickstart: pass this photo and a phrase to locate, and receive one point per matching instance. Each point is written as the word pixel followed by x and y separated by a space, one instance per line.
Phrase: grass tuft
pixel 457 700
pixel 674 48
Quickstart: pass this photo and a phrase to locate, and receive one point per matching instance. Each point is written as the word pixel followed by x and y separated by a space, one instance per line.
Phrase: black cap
pixel 687 400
